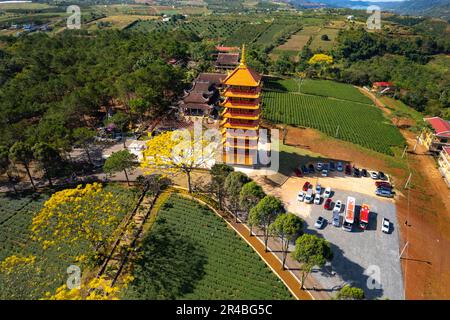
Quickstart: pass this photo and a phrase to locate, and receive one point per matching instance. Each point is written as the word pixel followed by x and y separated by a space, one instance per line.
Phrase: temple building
pixel 239 124
pixel 201 100
pixel 226 61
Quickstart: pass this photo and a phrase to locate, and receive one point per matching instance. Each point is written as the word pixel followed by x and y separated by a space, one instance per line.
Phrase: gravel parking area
pixel 359 253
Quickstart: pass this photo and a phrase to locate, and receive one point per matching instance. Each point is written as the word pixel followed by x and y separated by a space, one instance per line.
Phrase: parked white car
pixel 338 206
pixel 319 223
pixel 327 192
pixel 317 199
pixel 386 225
pixel 309 196
pixel 374 175
pixel 301 196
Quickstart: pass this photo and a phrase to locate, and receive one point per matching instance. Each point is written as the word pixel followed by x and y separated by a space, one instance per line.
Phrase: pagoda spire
pixel 243 56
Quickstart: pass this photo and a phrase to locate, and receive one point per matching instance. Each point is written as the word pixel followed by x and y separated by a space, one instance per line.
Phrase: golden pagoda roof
pixel 243 75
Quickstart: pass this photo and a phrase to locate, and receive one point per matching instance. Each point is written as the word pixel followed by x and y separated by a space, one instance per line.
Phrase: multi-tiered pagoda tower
pixel 241 114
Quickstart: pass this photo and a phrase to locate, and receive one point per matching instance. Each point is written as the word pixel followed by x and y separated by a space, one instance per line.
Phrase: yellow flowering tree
pixel 320 58
pixel 19 275
pixel 176 151
pixel 96 289
pixel 84 215
pixel 12 262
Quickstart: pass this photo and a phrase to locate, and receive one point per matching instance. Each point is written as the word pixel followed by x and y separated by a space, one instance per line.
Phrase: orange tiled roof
pixel 243 75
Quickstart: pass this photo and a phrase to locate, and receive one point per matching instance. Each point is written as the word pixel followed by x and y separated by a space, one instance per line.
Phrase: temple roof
pixel 202 87
pixel 212 78
pixel 195 97
pixel 227 59
pixel 243 75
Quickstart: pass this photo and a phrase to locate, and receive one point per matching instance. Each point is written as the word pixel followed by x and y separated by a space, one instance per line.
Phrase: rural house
pixel 383 87
pixel 438 137
pixel 444 164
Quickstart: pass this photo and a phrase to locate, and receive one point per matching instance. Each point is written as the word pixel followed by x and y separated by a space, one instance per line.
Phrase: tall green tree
pixel 121 161
pixel 84 137
pixel 233 185
pixel 5 165
pixel 264 213
pixel 311 251
pixel 121 120
pixel 219 172
pixel 350 293
pixel 251 193
pixel 48 158
pixel 286 227
pixel 21 153
pixel 139 107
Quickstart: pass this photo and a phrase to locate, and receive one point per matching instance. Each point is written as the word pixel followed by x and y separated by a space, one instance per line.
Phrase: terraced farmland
pixel 190 253
pixel 358 123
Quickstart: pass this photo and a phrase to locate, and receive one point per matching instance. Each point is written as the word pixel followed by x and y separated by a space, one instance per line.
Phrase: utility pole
pixel 404 151
pixel 408 180
pixel 415 145
pixel 337 130
pixel 403 250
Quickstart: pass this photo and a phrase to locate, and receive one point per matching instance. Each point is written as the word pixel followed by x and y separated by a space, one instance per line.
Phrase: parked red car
pixel 298 172
pixel 327 204
pixel 383 184
pixel 306 186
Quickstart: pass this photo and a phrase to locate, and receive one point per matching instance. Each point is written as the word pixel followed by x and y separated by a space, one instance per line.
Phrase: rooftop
pixel 383 84
pixel 440 126
pixel 227 49
pixel 446 150
pixel 212 78
pixel 227 59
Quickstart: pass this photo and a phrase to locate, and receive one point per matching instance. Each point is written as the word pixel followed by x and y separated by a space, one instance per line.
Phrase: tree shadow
pixel 350 272
pixel 289 161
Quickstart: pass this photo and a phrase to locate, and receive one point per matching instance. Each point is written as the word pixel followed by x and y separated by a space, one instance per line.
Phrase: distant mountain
pixel 430 8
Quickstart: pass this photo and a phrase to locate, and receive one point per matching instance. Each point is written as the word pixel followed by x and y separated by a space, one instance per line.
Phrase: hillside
pixel 430 8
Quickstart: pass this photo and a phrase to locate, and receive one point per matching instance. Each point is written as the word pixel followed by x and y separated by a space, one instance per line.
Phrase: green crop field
pixel 275 30
pixel 247 33
pixel 190 253
pixel 16 214
pixel 362 124
pixel 323 88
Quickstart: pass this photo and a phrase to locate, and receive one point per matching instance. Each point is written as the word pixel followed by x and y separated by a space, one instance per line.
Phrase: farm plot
pixel 119 21
pixel 361 124
pixel 247 33
pixel 323 88
pixel 276 30
pixel 16 216
pixel 326 45
pixel 190 253
pixel 297 41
